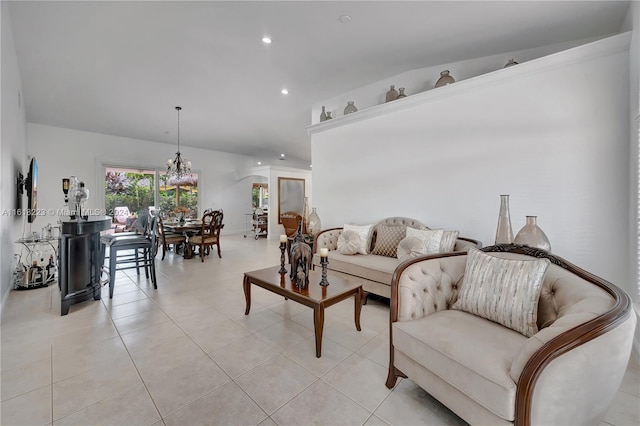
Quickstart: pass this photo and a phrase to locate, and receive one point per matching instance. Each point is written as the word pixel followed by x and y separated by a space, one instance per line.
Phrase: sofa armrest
pixel 542 337
pixel 327 238
pixel 426 284
pixel 579 386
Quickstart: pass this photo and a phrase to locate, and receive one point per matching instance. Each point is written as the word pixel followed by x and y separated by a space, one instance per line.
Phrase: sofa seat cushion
pixel 472 354
pixel 371 266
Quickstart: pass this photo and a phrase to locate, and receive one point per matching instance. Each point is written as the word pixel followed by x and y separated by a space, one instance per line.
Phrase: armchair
pixel 568 372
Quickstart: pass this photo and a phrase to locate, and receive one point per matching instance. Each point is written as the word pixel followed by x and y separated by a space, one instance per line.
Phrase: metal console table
pixel 25 279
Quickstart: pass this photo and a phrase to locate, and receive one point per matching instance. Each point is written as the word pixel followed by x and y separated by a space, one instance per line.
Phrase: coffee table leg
pixel 358 307
pixel 318 324
pixel 247 294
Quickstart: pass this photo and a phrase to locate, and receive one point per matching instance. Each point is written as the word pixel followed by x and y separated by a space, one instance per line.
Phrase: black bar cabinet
pixel 80 268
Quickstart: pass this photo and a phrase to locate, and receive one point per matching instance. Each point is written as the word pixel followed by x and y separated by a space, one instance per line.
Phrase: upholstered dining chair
pixel 130 250
pixel 290 222
pixel 166 238
pixel 209 234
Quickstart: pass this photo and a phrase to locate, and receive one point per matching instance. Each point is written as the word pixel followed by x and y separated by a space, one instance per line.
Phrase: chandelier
pixel 178 166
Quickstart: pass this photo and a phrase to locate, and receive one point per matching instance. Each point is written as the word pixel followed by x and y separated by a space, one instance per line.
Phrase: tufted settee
pixel 566 373
pixel 375 271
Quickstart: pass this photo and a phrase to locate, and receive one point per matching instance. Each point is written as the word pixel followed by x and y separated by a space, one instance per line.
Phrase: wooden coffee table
pixel 314 296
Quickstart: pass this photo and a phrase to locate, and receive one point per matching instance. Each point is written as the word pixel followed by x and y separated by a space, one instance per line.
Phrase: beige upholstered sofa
pixel 375 271
pixel 567 373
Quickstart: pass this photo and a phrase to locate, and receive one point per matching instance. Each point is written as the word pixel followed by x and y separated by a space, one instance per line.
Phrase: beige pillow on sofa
pixel 349 242
pixel 365 235
pixel 431 238
pixel 409 248
pixel 505 291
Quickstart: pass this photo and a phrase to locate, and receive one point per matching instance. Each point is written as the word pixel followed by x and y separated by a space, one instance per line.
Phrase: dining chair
pixel 290 222
pixel 131 250
pixel 209 234
pixel 166 238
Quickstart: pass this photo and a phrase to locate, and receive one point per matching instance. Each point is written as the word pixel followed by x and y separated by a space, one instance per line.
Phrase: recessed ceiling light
pixel 344 19
pixel 259 163
pixel 281 155
pixel 266 40
pixel 284 91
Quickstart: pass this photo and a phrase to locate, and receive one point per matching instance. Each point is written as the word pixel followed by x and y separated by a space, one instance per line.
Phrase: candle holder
pixel 283 247
pixel 324 261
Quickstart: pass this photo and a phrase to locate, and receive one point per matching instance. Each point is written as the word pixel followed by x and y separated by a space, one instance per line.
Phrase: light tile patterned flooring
pixel 185 354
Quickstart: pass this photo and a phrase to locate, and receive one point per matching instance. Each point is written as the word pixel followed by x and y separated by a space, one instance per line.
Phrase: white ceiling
pixel 119 68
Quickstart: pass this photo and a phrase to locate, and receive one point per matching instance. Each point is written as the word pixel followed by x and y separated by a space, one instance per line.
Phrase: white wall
pixel 275 229
pixel 272 173
pixel 13 149
pixel 424 79
pixel 552 132
pixel 63 152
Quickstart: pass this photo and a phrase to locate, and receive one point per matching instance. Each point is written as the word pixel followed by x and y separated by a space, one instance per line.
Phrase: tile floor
pixel 185 354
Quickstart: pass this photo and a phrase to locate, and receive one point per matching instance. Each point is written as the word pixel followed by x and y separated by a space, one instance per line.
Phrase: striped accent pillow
pixel 502 290
pixel 448 242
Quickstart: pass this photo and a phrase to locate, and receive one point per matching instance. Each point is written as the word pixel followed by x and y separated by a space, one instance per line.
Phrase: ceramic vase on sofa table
pixel 532 235
pixel 314 225
pixel 504 232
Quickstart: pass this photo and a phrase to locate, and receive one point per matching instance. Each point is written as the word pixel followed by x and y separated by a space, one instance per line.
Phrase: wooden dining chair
pixel 290 222
pixel 209 234
pixel 166 238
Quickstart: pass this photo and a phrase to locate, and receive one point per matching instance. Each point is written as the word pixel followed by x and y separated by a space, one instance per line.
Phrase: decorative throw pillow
pixel 431 238
pixel 349 242
pixel 409 248
pixel 365 235
pixel 387 239
pixel 505 291
pixel 448 242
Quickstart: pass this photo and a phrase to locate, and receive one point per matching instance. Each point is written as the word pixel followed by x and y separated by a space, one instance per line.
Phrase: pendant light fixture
pixel 178 167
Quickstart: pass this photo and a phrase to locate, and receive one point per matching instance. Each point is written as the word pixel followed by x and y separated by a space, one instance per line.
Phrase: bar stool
pixel 130 250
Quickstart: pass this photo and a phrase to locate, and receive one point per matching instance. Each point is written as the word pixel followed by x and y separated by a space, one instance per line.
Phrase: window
pixel 179 195
pixel 129 191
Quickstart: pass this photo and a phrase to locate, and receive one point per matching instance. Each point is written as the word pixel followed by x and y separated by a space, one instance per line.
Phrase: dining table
pixel 188 228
